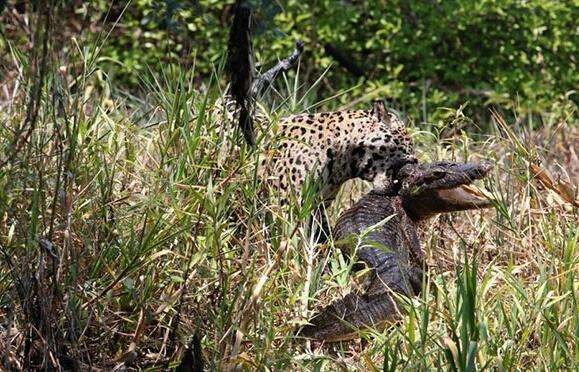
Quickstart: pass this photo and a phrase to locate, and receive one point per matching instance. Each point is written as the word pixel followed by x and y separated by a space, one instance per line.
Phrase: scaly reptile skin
pixel 392 249
pixel 398 267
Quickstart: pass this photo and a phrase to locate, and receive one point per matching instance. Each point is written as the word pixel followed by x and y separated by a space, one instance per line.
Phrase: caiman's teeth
pixel 477 191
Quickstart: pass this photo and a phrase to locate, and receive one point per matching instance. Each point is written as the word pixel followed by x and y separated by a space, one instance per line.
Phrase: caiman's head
pixel 429 189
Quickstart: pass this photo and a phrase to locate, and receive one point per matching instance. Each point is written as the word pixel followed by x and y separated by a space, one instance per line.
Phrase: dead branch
pixel 268 77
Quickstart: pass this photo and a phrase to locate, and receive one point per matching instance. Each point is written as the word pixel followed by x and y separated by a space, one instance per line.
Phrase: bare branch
pixel 267 78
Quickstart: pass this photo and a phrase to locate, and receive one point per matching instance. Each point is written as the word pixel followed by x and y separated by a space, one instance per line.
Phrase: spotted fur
pixel 333 147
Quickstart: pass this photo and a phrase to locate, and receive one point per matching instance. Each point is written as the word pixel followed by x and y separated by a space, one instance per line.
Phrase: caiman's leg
pixel 392 270
pixel 342 319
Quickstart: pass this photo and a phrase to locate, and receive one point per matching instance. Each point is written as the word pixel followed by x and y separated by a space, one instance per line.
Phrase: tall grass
pixel 130 224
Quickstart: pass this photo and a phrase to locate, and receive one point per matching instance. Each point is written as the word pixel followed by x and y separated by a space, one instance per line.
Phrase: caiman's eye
pixel 438 173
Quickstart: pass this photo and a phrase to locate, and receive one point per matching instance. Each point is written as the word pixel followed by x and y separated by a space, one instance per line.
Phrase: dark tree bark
pixel 240 67
pixel 244 87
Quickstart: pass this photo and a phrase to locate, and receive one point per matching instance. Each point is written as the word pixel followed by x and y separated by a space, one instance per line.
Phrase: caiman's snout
pixel 464 196
pixel 444 187
pixel 471 171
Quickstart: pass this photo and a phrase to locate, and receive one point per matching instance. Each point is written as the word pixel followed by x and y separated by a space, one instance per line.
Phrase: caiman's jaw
pixel 428 189
pixel 462 198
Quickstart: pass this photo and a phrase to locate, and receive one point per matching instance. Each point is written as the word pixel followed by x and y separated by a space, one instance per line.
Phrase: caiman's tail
pixel 377 306
pixel 343 319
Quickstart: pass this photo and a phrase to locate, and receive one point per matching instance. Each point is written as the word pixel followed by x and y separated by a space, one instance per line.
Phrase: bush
pixel 420 55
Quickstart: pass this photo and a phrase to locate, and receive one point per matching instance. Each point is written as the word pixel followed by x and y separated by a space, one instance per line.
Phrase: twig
pixel 267 78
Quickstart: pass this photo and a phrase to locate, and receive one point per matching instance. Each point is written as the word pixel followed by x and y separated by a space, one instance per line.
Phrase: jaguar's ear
pixel 379 110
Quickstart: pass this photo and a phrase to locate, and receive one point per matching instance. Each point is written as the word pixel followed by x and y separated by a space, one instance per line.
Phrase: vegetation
pixel 422 55
pixel 131 219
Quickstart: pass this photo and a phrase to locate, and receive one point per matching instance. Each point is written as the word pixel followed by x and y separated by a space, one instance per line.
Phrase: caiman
pixel 381 230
